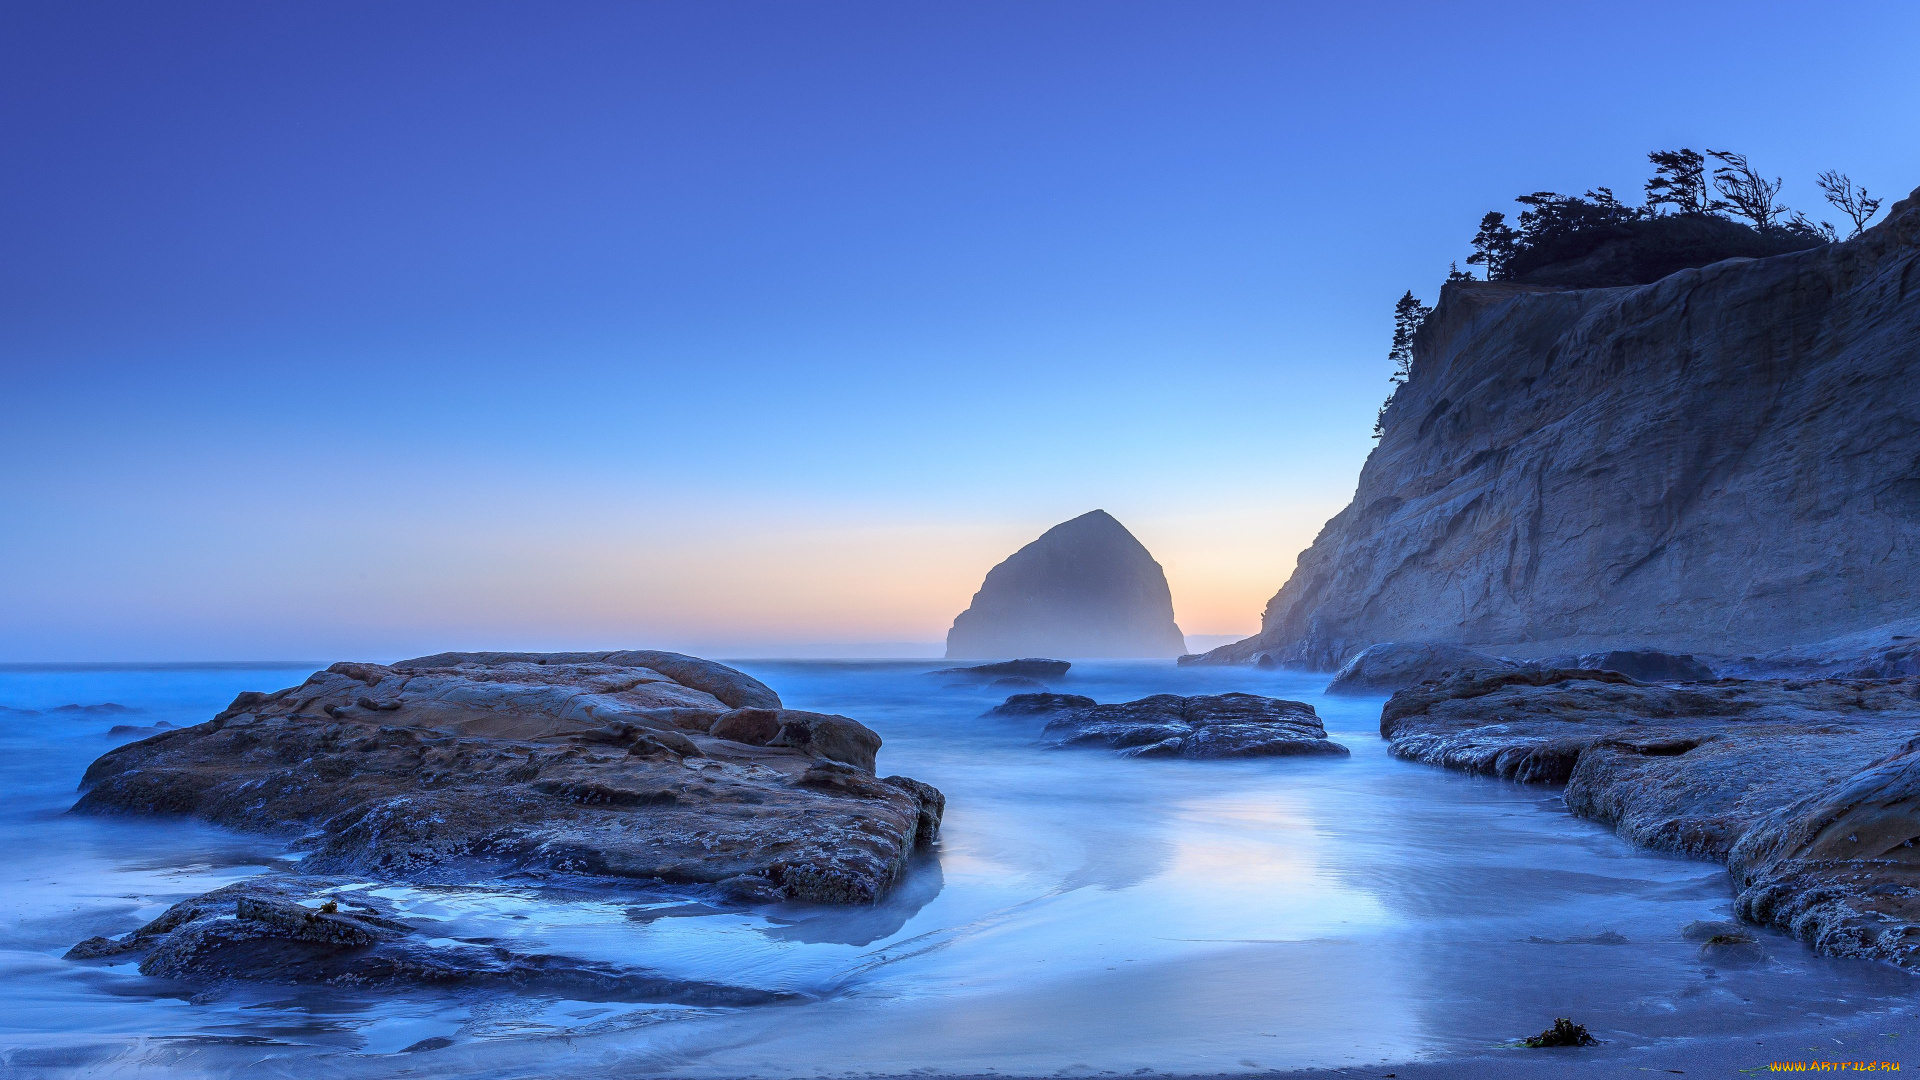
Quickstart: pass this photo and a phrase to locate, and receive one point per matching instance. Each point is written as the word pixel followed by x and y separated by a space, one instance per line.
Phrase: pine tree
pixel 1494 245
pixel 1408 314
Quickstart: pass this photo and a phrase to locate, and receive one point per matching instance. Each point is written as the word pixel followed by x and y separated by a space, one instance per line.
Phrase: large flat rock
pixel 601 764
pixel 1808 789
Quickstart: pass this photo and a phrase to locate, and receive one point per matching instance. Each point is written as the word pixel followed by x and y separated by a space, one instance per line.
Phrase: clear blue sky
pixel 339 329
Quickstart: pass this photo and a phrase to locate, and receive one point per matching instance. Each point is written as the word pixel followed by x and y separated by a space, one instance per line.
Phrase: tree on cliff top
pixel 1408 314
pixel 1680 181
pixel 1849 200
pixel 1494 245
pixel 1596 241
pixel 1747 192
pixel 1550 215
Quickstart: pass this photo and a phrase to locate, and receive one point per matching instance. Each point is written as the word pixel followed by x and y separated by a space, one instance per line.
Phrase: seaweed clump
pixel 1564 1032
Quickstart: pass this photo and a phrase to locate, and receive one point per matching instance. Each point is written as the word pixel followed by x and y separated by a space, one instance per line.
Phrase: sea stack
pixel 1086 588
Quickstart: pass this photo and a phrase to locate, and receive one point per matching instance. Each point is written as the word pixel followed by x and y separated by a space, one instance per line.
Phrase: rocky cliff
pixel 1724 461
pixel 1086 588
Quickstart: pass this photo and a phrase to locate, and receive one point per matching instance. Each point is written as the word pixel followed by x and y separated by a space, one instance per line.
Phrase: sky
pixel 368 330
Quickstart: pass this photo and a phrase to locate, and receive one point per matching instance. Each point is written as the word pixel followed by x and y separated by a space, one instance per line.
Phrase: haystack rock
pixel 1086 588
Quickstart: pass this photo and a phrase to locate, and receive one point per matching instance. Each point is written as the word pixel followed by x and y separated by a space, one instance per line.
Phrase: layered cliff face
pixel 1724 461
pixel 1086 588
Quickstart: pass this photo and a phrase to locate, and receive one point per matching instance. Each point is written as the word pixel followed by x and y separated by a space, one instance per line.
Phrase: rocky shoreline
pixel 1808 789
pixel 630 769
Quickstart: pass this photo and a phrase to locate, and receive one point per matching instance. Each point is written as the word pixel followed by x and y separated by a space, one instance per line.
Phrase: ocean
pixel 1082 914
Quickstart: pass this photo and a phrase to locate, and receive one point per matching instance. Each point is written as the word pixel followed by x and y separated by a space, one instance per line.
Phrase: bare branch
pixel 1849 200
pixel 1750 194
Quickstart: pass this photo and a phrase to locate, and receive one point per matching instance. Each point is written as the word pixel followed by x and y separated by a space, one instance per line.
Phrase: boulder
pixel 588 763
pixel 1039 704
pixel 1208 726
pixel 1808 789
pixel 1396 665
pixel 322 930
pixel 1085 588
pixel 1648 666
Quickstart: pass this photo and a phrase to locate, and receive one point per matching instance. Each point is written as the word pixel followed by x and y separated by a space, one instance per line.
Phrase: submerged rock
pixel 1039 704
pixel 1032 667
pixel 1165 725
pixel 1085 588
pixel 1808 789
pixel 592 763
pixel 310 929
pixel 1395 665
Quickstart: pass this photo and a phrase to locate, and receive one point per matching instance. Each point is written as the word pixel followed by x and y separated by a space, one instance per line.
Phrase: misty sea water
pixel 1083 913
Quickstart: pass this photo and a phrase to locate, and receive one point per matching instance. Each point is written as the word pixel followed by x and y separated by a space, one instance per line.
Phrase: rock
pixel 1719 463
pixel 120 730
pixel 520 761
pixel 1888 651
pixel 1393 665
pixel 1017 686
pixel 305 930
pixel 106 709
pixel 1085 588
pixel 1031 668
pixel 1564 1032
pixel 835 737
pixel 1210 726
pixel 1648 666
pixel 755 727
pixel 1039 704
pixel 750 889
pixel 95 948
pixel 734 689
pixel 1808 789
pixel 1701 931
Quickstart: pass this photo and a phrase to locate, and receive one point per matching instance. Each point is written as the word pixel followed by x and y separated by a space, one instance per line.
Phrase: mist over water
pixel 1083 913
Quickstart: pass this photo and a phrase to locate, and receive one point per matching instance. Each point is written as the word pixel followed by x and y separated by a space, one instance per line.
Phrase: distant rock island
pixel 1086 588
pixel 1722 462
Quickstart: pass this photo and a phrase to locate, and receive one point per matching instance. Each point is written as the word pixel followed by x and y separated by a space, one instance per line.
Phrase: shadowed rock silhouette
pixel 1086 588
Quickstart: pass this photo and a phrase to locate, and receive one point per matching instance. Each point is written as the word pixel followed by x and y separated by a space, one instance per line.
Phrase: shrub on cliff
pixel 1689 219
